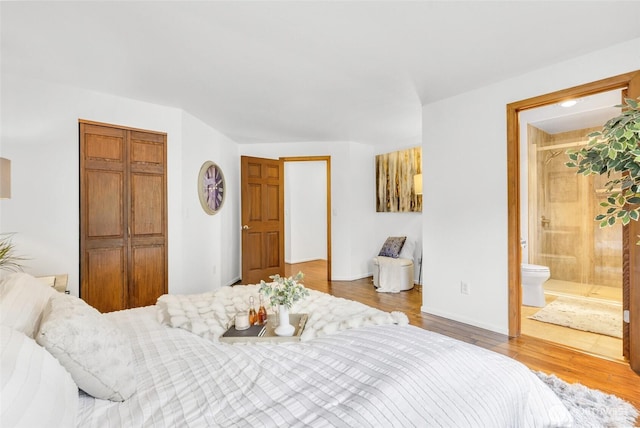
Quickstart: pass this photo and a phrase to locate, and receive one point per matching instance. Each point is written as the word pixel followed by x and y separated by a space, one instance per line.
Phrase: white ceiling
pixel 588 112
pixel 272 71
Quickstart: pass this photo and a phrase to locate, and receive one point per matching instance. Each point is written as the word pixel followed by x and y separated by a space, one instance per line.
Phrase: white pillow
pixel 93 349
pixel 22 301
pixel 407 249
pixel 36 390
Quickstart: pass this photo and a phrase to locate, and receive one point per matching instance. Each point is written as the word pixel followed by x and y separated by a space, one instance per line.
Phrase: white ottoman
pixel 391 274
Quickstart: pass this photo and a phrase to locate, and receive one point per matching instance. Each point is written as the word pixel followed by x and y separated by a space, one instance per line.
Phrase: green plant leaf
pixel 9 260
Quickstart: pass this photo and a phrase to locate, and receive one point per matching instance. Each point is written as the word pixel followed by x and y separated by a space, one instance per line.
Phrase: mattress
pixel 384 375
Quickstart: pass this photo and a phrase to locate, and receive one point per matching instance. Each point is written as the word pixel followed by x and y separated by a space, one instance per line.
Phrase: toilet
pixel 533 276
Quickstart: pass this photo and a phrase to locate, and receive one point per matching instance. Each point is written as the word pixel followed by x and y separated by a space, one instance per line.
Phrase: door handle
pixel 245 227
pixel 545 221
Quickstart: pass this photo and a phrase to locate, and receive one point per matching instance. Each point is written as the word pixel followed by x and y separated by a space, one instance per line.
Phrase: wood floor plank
pixel 613 377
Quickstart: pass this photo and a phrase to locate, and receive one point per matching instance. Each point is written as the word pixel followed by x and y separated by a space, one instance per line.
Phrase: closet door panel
pixel 148 218
pixel 105 287
pixel 103 216
pixel 104 204
pixel 147 149
pixel 102 143
pixel 148 205
pixel 147 275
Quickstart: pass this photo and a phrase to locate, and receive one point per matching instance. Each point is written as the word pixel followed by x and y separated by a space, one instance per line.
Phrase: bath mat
pixel 597 317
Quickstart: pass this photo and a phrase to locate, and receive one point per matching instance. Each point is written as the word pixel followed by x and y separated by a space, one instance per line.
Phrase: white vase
pixel 284 326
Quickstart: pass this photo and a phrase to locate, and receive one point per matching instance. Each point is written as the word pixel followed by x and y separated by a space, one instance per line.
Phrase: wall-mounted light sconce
pixel 417 184
pixel 5 178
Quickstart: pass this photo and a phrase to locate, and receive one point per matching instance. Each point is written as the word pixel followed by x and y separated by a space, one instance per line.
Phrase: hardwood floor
pixel 571 365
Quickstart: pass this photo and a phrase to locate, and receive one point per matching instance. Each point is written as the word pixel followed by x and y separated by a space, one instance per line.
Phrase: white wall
pixel 465 219
pixel 305 211
pixel 361 217
pixel 210 253
pixel 40 136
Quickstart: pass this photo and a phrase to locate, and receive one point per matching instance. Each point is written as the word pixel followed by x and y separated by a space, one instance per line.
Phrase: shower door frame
pixel 631 252
pixel 558 237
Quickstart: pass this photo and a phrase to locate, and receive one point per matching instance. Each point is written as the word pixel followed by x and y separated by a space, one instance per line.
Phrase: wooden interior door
pixel 148 218
pixel 262 183
pixel 103 217
pixel 631 272
pixel 123 216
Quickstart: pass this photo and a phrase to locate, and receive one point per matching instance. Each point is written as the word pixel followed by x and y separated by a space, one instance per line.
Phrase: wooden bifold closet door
pixel 123 216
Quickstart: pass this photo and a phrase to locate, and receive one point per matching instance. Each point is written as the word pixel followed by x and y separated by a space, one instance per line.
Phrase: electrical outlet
pixel 464 287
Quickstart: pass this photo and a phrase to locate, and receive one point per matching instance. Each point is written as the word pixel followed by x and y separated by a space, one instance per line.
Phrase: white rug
pixel 587 315
pixel 589 407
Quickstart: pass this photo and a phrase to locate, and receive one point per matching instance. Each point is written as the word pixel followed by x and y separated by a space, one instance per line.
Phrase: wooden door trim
pixel 513 184
pixel 326 159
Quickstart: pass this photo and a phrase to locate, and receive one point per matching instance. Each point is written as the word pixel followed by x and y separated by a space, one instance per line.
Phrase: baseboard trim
pixel 464 320
pixel 352 278
pixel 290 262
pixel 233 281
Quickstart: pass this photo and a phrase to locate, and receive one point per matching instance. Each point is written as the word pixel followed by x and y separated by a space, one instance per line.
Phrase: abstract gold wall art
pixel 395 190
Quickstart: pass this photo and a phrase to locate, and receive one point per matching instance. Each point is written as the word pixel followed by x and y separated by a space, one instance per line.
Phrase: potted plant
pixel 615 148
pixel 283 293
pixel 8 259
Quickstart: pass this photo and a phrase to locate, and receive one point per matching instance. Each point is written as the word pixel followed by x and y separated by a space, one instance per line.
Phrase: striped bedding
pixel 376 376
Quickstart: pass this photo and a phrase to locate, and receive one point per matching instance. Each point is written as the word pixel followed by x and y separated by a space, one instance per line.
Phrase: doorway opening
pixel 630 84
pixel 580 304
pixel 308 217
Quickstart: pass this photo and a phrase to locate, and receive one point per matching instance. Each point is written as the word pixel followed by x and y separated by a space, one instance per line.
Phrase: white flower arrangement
pixel 284 291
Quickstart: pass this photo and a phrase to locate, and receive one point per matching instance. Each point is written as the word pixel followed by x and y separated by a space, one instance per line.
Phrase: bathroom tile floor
pixel 567 288
pixel 598 344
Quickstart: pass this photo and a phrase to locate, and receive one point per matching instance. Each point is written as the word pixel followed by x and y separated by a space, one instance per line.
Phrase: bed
pixel 375 371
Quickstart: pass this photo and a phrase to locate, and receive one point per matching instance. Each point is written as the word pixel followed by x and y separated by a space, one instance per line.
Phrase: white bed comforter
pixel 375 376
